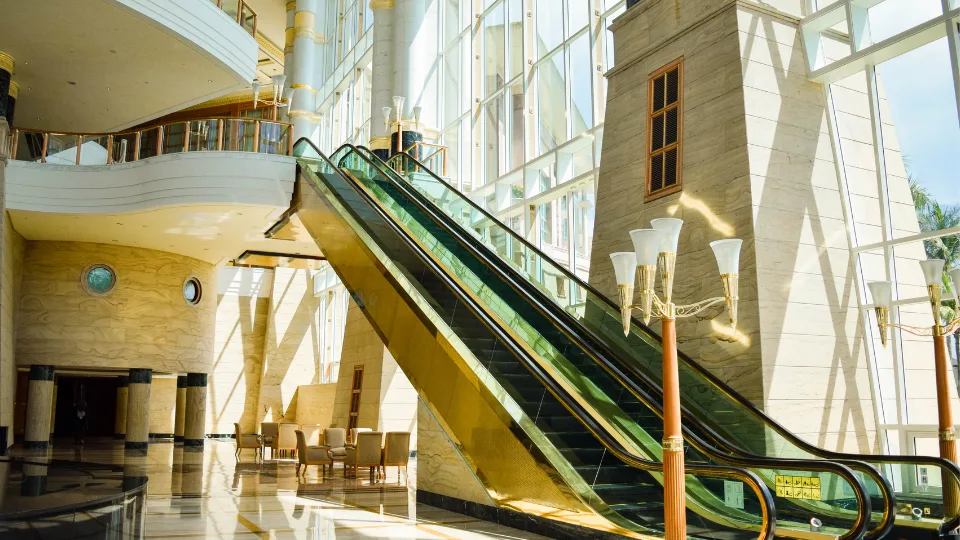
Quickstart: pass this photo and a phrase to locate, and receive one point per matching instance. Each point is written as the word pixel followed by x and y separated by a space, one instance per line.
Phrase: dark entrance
pixel 100 394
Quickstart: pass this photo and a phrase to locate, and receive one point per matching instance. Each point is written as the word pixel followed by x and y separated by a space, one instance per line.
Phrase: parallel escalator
pixel 412 272
pixel 712 410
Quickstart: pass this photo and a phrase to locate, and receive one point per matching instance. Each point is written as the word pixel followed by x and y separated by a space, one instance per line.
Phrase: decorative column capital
pixel 381 4
pixel 6 141
pixel 7 63
pixel 14 90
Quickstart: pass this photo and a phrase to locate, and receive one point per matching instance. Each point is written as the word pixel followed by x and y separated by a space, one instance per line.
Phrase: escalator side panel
pixel 473 417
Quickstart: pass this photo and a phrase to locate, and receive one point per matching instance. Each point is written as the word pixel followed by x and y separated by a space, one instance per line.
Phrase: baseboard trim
pixel 512 518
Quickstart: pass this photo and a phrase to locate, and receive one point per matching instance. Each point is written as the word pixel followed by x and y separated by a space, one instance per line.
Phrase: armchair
pixel 365 454
pixel 246 440
pixel 311 455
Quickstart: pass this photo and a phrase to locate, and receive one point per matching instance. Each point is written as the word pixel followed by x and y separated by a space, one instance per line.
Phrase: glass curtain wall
pixel 519 105
pixel 333 300
pixel 896 139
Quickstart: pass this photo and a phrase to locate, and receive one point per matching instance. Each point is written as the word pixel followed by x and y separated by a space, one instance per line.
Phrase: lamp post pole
pixel 653 248
pixel 398 105
pixel 882 293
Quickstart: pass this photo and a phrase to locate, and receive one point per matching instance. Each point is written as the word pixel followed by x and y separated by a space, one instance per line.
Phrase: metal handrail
pixel 243 7
pixel 441 150
pixel 768 517
pixel 951 519
pixel 120 140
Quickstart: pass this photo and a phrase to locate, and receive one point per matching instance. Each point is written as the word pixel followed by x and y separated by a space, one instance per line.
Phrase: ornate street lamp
pixel 882 292
pixel 278 100
pixel 658 247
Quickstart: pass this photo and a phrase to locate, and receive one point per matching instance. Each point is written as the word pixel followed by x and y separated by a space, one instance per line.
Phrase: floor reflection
pixel 208 494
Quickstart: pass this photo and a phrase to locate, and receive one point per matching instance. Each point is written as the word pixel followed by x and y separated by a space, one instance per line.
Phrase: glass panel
pixel 451 85
pixel 203 136
pixel 451 20
pixel 551 103
pixel 549 27
pixel 62 149
pixel 494 67
pixel 274 138
pixel 174 137
pixel 515 38
pixel 123 147
pixel 238 135
pixel 517 133
pixel 578 16
pixel 581 84
pixel 93 150
pixel 494 138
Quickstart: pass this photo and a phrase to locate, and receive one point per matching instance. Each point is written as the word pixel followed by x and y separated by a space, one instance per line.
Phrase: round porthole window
pixel 192 291
pixel 99 279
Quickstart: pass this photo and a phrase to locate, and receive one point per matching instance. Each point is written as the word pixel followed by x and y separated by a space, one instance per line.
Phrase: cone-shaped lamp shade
pixel 278 81
pixel 625 266
pixel 646 244
pixel 933 271
pixel 728 255
pixel 256 91
pixel 882 292
pixel 671 230
pixel 398 104
pixel 955 278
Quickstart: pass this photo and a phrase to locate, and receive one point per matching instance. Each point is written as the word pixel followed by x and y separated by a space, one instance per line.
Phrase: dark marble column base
pixel 194 443
pixel 33 486
pixel 131 445
pixel 178 438
pixel 133 482
pixel 35 445
pixel 120 436
pixel 512 518
pixel 382 153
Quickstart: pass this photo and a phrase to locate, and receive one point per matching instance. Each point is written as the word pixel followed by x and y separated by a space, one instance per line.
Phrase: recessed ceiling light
pixel 72 83
pixel 209 80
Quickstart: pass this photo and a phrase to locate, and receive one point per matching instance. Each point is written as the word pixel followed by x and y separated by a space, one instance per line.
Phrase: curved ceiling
pixel 94 65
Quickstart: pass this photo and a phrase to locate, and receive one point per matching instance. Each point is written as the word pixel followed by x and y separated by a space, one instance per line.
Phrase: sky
pixel 920 94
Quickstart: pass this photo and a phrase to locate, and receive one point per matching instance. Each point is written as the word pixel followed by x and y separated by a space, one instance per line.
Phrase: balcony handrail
pixel 138 134
pixel 242 7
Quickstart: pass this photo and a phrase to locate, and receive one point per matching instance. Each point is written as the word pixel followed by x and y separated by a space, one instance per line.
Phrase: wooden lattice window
pixel 355 397
pixel 664 130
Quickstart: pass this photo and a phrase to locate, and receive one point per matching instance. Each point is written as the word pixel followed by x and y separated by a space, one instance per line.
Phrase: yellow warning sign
pixel 798 487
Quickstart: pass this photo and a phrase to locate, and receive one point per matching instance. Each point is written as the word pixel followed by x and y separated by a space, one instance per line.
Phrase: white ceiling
pixel 88 66
pixel 213 233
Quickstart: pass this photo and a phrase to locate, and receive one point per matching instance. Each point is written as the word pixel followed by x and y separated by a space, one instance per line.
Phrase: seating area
pixel 310 444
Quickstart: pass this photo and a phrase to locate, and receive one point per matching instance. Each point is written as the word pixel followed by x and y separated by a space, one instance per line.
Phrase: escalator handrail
pixel 561 319
pixel 951 468
pixel 768 508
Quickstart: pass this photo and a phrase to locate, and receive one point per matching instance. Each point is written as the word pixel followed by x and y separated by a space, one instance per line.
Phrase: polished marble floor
pixel 208 494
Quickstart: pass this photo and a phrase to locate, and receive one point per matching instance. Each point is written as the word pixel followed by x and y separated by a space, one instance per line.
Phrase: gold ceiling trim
pixel 14 90
pixel 291 6
pixel 272 51
pixel 228 100
pixel 6 62
pixel 381 4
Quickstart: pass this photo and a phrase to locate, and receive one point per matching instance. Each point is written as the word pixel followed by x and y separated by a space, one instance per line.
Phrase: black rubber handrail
pixel 768 508
pixel 949 524
pixel 562 320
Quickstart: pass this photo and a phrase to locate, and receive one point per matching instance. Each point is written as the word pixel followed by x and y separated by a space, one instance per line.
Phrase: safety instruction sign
pixel 733 494
pixel 798 487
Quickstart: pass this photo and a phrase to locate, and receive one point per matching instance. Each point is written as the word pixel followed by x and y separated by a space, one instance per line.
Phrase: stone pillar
pixel 134 470
pixel 120 417
pixel 181 408
pixel 39 402
pixel 6 73
pixel 12 96
pixel 53 409
pixel 382 77
pixel 303 105
pixel 410 73
pixel 34 482
pixel 196 410
pixel 138 409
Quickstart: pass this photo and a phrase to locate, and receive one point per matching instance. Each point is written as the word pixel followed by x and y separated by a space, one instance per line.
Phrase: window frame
pixel 663 192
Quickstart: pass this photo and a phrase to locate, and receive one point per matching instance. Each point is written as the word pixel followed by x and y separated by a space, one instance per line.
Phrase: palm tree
pixel 934 217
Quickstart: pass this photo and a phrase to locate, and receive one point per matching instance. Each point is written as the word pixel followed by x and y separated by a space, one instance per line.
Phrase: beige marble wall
pixel 11 268
pixel 315 403
pixel 441 468
pixel 758 165
pixel 290 356
pixel 163 404
pixel 233 385
pixel 388 402
pixel 144 321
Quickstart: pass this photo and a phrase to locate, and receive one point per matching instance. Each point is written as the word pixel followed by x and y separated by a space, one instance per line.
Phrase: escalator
pixel 539 434
pixel 712 410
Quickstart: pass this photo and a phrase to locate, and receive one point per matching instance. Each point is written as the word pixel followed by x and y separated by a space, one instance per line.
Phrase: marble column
pixel 134 470
pixel 6 73
pixel 39 402
pixel 120 417
pixel 303 105
pixel 53 408
pixel 12 96
pixel 411 43
pixel 196 410
pixel 181 408
pixel 34 482
pixel 381 91
pixel 138 409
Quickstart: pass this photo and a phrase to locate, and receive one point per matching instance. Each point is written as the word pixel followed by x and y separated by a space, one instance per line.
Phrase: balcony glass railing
pixel 241 12
pixel 205 135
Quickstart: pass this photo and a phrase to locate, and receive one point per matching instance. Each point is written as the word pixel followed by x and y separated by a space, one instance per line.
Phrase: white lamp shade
pixel 671 229
pixel 933 271
pixel 398 103
pixel 416 113
pixel 882 293
pixel 624 266
pixel 646 244
pixel 955 277
pixel 278 81
pixel 386 112
pixel 256 90
pixel 727 253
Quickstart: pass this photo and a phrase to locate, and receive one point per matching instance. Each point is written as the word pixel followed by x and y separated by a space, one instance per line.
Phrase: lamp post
pixel 278 100
pixel 882 292
pixel 655 247
pixel 398 105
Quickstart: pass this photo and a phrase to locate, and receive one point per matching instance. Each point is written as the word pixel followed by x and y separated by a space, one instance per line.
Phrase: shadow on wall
pixel 794 193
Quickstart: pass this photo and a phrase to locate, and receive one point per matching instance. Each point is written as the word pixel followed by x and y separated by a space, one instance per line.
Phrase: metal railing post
pixel 256 136
pixel 136 146
pixel 220 134
pixel 79 146
pixel 109 149
pixel 159 140
pixel 186 136
pixel 16 141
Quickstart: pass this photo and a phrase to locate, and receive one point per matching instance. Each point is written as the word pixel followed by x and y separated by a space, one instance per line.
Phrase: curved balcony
pixel 203 135
pixel 242 12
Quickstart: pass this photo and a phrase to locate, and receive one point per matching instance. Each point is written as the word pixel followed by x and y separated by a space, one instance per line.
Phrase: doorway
pixel 100 393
